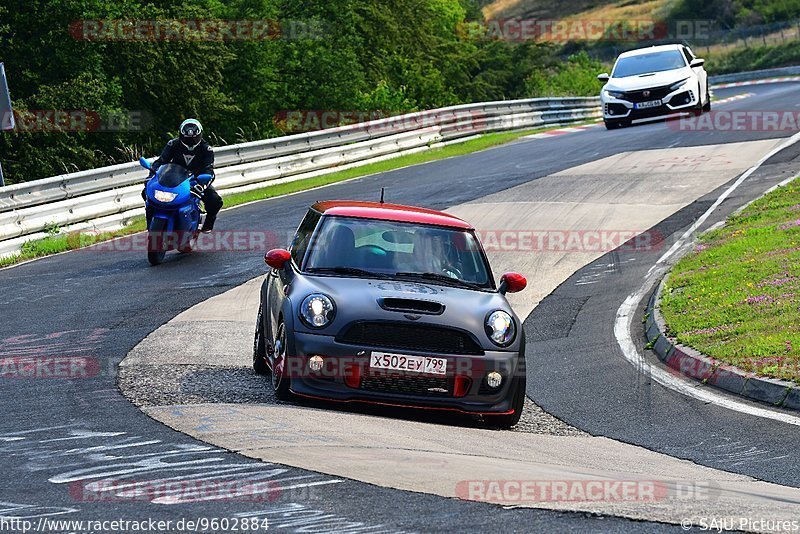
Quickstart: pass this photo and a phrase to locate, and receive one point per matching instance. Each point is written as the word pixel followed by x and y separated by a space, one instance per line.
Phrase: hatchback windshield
pixel 645 63
pixel 398 250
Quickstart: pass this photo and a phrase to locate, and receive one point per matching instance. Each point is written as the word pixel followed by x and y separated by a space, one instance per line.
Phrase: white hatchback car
pixel 654 82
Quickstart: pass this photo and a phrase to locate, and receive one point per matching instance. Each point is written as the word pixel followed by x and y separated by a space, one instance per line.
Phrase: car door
pixel 278 279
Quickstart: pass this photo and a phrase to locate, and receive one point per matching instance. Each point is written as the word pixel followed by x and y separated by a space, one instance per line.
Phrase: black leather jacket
pixel 199 160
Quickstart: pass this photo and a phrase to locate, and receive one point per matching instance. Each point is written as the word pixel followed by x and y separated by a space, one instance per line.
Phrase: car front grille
pixel 655 93
pixel 420 338
pixel 406 384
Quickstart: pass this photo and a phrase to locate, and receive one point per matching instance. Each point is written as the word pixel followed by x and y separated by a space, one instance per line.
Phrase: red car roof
pixel 390 212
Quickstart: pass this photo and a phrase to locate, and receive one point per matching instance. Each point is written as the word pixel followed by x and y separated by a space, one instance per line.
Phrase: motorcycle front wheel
pixel 156 249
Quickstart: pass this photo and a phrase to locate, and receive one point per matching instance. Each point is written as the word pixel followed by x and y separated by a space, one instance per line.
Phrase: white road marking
pixel 625 313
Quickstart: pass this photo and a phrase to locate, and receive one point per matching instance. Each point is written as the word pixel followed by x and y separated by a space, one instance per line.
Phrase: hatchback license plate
pixel 410 364
pixel 650 104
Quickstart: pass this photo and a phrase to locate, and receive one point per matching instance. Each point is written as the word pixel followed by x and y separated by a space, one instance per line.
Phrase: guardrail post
pixel 2 180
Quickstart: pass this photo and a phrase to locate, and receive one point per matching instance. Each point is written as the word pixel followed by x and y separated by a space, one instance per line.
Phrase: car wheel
pixel 700 107
pixel 259 347
pixel 707 106
pixel 517 402
pixel 281 383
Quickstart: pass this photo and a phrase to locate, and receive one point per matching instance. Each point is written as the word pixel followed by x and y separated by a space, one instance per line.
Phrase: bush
pixel 575 77
pixel 383 55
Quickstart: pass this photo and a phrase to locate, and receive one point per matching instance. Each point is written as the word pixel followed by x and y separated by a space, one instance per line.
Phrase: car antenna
pixel 382 190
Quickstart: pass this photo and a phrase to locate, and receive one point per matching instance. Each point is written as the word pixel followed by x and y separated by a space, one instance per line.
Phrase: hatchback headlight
pixel 317 310
pixel 164 196
pixel 677 85
pixel 615 94
pixel 500 328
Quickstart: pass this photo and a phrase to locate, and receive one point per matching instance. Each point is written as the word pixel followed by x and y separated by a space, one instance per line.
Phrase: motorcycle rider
pixel 191 151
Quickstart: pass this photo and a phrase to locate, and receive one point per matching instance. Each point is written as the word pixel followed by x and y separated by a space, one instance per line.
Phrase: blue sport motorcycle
pixel 174 215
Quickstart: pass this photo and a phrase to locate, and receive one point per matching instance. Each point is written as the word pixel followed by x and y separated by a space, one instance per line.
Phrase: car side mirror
pixel 603 77
pixel 512 283
pixel 144 163
pixel 277 258
pixel 697 62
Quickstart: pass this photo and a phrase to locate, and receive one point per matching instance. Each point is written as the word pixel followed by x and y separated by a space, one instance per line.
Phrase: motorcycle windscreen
pixel 172 175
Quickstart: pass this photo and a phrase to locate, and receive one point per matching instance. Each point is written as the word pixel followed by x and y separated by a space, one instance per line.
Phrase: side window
pixel 688 54
pixel 303 236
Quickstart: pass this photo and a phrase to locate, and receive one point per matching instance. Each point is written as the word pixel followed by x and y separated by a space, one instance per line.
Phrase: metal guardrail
pixel 754 75
pixel 112 194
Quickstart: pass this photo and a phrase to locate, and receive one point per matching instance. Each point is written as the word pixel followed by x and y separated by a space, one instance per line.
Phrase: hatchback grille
pixel 421 338
pixel 655 93
pixel 408 384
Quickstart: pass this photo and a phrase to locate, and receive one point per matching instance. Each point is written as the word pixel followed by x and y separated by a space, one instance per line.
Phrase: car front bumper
pixel 680 101
pixel 346 376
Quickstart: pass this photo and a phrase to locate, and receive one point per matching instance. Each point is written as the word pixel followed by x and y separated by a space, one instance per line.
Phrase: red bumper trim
pixel 398 405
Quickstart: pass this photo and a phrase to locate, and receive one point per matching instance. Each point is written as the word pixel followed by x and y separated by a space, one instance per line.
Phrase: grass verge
pixel 754 58
pixel 735 297
pixel 63 242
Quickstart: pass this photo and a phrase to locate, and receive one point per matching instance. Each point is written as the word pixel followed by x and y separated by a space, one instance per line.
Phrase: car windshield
pixel 172 175
pixel 391 249
pixel 646 63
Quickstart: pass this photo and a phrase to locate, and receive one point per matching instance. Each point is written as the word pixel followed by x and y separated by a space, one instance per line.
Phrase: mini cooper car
pixel 391 304
pixel 654 82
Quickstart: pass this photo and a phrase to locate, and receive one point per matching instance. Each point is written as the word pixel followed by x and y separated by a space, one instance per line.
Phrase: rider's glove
pixel 198 190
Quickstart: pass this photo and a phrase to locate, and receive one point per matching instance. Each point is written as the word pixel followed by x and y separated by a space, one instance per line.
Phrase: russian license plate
pixel 650 104
pixel 410 364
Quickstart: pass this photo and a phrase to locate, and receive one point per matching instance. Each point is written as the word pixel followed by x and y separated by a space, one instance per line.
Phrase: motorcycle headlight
pixel 164 196
pixel 317 310
pixel 500 328
pixel 677 85
pixel 615 94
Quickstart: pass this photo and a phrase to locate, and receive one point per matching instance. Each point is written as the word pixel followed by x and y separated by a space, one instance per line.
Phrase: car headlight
pixel 614 94
pixel 500 328
pixel 164 196
pixel 677 85
pixel 317 310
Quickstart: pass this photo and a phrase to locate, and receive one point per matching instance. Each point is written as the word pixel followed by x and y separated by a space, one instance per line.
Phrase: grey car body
pixel 390 317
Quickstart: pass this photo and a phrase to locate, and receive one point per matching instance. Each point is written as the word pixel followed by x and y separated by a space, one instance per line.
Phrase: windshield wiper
pixel 443 278
pixel 346 270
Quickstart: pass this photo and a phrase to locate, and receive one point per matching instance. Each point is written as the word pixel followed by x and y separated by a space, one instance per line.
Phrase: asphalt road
pixel 59 433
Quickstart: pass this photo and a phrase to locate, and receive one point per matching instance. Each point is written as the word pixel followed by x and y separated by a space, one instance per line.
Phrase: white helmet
pixel 191 133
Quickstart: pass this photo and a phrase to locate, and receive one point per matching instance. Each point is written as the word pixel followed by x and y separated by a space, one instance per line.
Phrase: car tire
pixel 707 105
pixel 518 393
pixel 260 365
pixel 281 384
pixel 697 111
